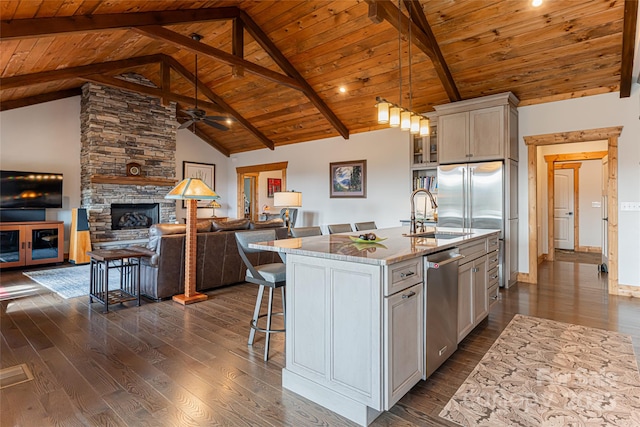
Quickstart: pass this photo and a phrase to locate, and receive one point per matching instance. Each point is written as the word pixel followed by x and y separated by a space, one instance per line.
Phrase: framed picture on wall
pixel 205 171
pixel 273 185
pixel 348 179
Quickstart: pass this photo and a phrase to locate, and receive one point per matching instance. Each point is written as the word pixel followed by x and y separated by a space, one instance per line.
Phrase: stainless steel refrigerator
pixel 472 195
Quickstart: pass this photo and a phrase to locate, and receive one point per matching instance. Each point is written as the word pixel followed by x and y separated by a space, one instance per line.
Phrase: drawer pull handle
pixel 408 274
pixel 409 295
pixel 494 276
pixel 494 260
pixel 495 297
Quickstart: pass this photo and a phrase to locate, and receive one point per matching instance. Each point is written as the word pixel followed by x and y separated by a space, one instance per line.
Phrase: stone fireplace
pixel 118 127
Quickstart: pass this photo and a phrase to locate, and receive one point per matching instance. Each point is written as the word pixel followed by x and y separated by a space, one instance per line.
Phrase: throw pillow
pixel 233 224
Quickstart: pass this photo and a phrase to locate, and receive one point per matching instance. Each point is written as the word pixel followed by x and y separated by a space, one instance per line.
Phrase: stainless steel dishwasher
pixel 441 329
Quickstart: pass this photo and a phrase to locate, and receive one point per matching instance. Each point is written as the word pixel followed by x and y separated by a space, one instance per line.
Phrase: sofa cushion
pixel 270 223
pixel 232 224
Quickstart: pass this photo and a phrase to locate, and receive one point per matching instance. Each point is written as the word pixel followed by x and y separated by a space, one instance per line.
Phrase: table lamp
pixel 287 199
pixel 214 205
pixel 191 190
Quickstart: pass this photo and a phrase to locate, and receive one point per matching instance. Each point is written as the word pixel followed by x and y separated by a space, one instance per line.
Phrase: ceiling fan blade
pixel 186 124
pixel 215 124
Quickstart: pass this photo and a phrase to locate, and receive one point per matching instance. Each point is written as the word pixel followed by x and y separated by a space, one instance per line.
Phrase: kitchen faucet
pixel 413 206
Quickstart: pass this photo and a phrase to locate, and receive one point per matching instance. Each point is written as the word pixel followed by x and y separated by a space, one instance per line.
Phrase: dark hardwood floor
pixel 163 364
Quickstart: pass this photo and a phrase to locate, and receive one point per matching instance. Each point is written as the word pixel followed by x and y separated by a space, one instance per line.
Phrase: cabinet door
pixel 44 243
pixel 487 133
pixel 453 138
pixel 404 344
pixel 465 300
pixel 480 295
pixel 12 246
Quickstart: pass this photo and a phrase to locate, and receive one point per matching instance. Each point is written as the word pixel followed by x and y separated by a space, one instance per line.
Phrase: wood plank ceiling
pixel 278 65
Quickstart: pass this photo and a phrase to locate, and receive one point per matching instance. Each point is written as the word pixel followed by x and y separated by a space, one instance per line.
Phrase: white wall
pixel 46 138
pixel 388 177
pixel 190 148
pixel 590 176
pixel 592 112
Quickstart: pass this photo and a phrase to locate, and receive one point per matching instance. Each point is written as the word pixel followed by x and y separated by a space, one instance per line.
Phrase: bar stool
pixel 339 228
pixel 306 231
pixel 370 225
pixel 266 275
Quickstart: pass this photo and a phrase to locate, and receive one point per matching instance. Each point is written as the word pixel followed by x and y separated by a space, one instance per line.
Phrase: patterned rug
pixel 68 282
pixel 546 373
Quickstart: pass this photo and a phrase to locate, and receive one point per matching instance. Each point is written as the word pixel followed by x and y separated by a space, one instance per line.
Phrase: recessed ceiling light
pixel 536 3
pixel 342 89
pixel 228 121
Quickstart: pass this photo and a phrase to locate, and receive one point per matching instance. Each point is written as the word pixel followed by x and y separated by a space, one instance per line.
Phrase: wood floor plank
pixel 163 364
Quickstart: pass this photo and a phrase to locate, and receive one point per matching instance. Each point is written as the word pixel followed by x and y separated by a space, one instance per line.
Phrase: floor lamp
pixel 287 199
pixel 191 190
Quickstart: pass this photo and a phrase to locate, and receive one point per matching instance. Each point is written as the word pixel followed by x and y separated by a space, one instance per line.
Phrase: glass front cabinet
pixel 424 159
pixel 31 243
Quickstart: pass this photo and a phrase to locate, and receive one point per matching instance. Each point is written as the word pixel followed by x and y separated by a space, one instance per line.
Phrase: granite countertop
pixel 394 248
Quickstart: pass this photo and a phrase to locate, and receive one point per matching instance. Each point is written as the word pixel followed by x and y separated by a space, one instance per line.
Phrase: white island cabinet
pixel 355 322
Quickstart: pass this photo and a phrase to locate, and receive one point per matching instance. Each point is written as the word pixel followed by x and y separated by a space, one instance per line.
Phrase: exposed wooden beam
pixel 180 69
pixel 237 45
pixel 38 99
pixel 39 27
pixel 151 91
pixel 206 138
pixel 282 61
pixel 628 45
pixel 442 69
pixel 165 76
pixel 183 42
pixel 75 72
pixel 380 10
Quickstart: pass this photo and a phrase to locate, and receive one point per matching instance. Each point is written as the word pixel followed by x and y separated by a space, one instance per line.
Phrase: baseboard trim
pixel 525 278
pixel 628 291
pixel 589 249
pixel 542 258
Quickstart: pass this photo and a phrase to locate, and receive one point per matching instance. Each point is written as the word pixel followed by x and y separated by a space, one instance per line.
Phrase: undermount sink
pixel 438 234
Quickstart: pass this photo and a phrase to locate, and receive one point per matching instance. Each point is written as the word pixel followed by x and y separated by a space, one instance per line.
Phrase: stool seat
pixel 276 272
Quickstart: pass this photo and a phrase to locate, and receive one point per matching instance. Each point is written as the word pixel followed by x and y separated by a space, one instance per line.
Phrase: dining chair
pixel 306 231
pixel 370 225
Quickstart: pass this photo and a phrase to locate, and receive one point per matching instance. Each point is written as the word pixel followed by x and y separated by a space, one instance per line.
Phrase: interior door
pixel 563 219
pixel 605 213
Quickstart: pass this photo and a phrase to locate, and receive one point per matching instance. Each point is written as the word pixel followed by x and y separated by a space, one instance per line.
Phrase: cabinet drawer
pixel 492 277
pixel 492 243
pixel 493 259
pixel 492 294
pixel 402 275
pixel 473 250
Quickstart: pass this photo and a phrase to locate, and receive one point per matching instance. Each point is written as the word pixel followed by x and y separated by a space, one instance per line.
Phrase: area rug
pixel 68 282
pixel 546 373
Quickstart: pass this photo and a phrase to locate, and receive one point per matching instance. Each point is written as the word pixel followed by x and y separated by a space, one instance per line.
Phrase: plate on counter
pixel 357 239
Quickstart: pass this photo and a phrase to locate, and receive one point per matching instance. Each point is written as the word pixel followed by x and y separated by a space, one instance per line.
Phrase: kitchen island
pixel 355 317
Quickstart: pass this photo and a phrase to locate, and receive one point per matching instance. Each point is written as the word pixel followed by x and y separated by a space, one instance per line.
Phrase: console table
pixel 127 261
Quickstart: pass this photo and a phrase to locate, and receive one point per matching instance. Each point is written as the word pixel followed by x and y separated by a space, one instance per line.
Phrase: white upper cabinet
pixel 478 129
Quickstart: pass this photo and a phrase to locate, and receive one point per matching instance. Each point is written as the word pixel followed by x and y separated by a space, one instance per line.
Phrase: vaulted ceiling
pixel 278 66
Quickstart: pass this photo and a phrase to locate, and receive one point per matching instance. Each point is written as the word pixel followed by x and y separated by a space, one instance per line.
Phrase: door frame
pixel 254 170
pixel 532 142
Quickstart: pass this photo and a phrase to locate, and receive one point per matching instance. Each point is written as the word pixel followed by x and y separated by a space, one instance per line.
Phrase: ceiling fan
pixel 198 114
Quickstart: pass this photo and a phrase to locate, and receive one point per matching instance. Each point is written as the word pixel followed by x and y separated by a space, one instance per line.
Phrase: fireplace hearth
pixel 131 216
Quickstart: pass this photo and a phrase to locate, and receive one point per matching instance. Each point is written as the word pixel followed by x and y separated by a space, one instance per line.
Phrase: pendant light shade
pixel 394 117
pixel 424 126
pixel 383 112
pixel 405 120
pixel 415 124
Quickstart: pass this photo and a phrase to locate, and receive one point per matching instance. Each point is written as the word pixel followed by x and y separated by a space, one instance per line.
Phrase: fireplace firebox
pixel 129 216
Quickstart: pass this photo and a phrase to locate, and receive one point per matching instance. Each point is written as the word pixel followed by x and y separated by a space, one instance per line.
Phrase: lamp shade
pixel 214 204
pixel 192 188
pixel 289 199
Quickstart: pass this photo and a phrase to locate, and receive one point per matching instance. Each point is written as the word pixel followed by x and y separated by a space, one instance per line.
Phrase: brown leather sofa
pixel 218 260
